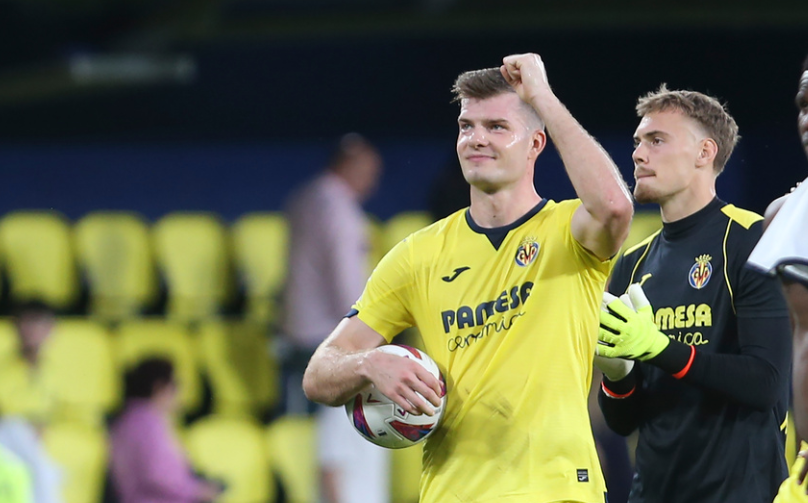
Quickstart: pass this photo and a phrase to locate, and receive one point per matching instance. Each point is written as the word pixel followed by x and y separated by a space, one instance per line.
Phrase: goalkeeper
pixel 702 369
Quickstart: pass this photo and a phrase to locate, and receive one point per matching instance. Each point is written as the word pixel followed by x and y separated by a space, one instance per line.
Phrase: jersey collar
pixel 496 235
pixel 683 226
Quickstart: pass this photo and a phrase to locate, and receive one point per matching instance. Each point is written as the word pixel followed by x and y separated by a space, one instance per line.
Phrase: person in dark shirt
pixel 702 367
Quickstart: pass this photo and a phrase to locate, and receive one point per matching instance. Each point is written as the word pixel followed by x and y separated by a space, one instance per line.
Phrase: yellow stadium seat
pixel 260 242
pixel 142 339
pixel 291 442
pixel 81 451
pixel 243 375
pixel 643 225
pixel 9 342
pixel 402 225
pixel 193 252
pixel 405 475
pixel 78 362
pixel 37 250
pixel 230 449
pixel 114 250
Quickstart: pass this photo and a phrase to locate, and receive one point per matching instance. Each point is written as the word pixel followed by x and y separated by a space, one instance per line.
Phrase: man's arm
pixel 797 298
pixel 601 223
pixel 347 361
pixel 621 403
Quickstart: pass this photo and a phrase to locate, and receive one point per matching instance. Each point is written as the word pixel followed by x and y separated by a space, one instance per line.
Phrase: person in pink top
pixel 148 464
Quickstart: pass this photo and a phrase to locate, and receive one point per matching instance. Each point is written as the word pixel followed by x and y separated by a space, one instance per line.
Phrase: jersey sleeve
pixel 756 294
pixel 383 305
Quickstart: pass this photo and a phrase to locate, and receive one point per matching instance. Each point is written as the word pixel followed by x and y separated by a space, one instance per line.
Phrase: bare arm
pixel 347 361
pixel 602 222
pixel 797 297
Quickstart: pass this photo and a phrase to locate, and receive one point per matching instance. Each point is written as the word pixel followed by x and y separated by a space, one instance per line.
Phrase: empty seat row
pixel 202 261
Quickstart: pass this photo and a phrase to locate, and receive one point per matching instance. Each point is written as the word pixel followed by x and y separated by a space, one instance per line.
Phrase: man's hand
pixel 625 333
pixel 614 369
pixel 404 381
pixel 526 74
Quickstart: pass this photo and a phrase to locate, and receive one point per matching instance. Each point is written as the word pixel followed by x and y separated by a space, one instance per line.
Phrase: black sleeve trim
pixel 351 313
pixel 673 359
pixel 623 386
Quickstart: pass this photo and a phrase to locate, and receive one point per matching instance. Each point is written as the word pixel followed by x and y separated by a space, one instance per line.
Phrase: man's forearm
pixel 334 375
pixel 592 172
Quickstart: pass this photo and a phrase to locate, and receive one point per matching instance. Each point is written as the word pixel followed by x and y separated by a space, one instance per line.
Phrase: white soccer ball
pixel 381 421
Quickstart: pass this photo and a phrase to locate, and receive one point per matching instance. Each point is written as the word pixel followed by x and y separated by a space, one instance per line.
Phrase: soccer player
pixel 708 389
pixel 783 250
pixel 505 295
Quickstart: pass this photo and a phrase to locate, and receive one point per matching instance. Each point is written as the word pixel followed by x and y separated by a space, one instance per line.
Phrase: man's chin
pixel 645 197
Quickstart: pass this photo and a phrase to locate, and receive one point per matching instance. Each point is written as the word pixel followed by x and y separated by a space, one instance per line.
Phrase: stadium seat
pixel 81 451
pixel 402 225
pixel 37 252
pixel 230 449
pixel 405 474
pixel 377 241
pixel 243 375
pixel 114 251
pixel 9 343
pixel 260 241
pixel 643 225
pixel 78 362
pixel 291 444
pixel 192 251
pixel 140 339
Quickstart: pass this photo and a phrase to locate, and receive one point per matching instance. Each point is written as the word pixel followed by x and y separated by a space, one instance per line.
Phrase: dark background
pixel 225 105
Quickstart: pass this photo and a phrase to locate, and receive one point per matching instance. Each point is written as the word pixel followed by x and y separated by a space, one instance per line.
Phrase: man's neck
pixel 684 204
pixel 501 208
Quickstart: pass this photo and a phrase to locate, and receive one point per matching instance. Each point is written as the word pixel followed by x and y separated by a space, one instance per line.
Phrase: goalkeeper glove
pixel 625 333
pixel 614 369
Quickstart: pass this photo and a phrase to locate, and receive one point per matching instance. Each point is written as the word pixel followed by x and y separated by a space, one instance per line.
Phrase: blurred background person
pixel 26 399
pixel 329 262
pixel 148 464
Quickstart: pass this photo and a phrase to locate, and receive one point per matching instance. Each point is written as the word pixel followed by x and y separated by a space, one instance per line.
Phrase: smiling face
pixel 498 142
pixel 668 149
pixel 802 106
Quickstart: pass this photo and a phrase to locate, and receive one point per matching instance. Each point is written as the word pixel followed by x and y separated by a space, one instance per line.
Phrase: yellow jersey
pixel 511 316
pixel 790 491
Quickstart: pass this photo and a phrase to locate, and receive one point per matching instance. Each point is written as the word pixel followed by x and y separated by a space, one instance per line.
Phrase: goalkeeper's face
pixel 498 142
pixel 666 148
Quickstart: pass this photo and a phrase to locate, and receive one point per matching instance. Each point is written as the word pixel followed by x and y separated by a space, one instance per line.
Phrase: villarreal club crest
pixel 700 273
pixel 527 252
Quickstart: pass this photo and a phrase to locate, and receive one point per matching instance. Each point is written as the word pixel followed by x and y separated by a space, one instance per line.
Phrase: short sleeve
pixel 384 305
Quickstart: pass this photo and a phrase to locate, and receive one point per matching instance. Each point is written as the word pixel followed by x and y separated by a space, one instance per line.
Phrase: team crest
pixel 527 252
pixel 700 273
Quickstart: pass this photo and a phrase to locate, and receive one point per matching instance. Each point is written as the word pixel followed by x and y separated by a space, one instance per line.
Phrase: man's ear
pixel 707 153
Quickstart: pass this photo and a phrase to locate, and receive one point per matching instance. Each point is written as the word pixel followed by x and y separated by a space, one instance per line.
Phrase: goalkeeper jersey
pixel 712 431
pixel 510 315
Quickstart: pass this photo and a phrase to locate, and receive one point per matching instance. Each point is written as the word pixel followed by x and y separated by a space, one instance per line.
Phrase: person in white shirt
pixel 329 263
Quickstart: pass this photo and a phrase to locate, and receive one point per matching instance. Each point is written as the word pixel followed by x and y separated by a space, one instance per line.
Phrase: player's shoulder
pixel 636 251
pixel 745 218
pixel 436 232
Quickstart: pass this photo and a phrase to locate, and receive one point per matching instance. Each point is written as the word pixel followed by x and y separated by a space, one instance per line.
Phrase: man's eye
pixel 465 127
pixel 656 141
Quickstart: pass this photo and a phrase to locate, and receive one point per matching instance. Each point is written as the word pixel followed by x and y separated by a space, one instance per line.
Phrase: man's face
pixel 802 106
pixel 666 148
pixel 496 144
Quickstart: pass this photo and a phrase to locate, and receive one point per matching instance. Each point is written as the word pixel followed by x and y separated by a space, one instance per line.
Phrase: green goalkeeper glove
pixel 627 334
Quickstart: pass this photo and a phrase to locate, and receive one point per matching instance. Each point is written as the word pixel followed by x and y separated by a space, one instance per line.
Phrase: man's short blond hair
pixel 707 111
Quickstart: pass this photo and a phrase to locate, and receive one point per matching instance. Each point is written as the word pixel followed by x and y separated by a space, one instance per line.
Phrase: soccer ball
pixel 381 421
